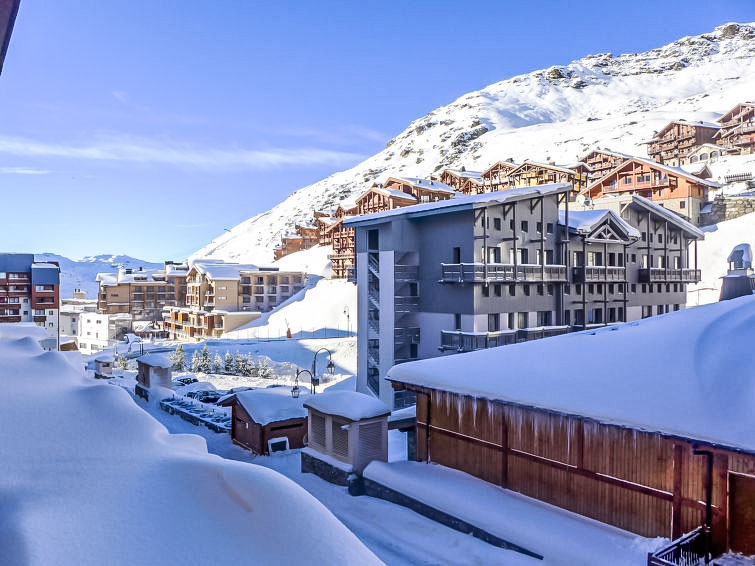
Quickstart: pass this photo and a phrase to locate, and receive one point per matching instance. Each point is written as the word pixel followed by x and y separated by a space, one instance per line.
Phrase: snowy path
pixel 397 535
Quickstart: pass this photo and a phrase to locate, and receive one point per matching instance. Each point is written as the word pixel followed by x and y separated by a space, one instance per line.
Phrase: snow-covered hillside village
pixel 521 333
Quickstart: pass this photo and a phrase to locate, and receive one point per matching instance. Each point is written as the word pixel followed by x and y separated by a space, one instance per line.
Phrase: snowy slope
pixel 551 114
pixel 80 274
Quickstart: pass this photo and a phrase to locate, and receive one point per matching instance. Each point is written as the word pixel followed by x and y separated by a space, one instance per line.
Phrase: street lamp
pixel 331 367
pixel 295 390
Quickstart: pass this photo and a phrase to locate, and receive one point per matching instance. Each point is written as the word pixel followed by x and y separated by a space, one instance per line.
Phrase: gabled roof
pixel 215 269
pixel 273 404
pixel 696 123
pixel 668 215
pixel 605 152
pixel 678 171
pixel 542 165
pixel 509 164
pixel 427 184
pixel 464 203
pixel 395 193
pixel 587 221
pixel 735 109
pixel 474 175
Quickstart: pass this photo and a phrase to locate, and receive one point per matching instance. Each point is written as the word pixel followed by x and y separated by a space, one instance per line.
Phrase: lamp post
pixel 348 319
pixel 331 367
pixel 295 390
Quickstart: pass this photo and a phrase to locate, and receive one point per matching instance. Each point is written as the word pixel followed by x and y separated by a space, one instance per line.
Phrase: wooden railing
pixel 687 550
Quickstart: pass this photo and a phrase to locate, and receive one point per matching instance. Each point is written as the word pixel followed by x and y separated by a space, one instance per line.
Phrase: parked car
pixel 181 381
pixel 208 396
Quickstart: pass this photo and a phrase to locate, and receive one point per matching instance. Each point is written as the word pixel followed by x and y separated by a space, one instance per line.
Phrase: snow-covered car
pixel 181 381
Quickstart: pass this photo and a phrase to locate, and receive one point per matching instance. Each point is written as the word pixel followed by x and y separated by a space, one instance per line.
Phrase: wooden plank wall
pixel 646 483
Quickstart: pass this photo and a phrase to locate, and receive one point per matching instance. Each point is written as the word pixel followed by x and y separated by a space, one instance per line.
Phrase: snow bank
pixel 97 480
pixel 689 373
pixel 712 252
pixel 561 537
pixel 348 404
pixel 314 261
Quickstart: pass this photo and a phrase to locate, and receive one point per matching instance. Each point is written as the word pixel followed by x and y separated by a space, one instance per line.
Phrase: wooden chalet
pixel 674 188
pixel 598 162
pixel 672 143
pixel 496 177
pixel 532 173
pixel 647 447
pixel 290 243
pixel 267 420
pixel 424 190
pixel 463 181
pixel 705 153
pixel 738 128
pixel 378 199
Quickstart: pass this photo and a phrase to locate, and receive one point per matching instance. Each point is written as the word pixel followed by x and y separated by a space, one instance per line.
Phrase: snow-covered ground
pixel 96 480
pixel 551 114
pixel 712 252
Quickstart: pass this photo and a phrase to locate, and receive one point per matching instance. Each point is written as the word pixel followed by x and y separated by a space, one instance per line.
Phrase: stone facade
pixel 728 208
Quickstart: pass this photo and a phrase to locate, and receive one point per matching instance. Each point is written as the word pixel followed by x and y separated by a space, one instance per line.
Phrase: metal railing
pixel 500 272
pixel 662 275
pixel 406 272
pixel 406 335
pixel 468 341
pixel 405 304
pixel 583 274
pixel 687 550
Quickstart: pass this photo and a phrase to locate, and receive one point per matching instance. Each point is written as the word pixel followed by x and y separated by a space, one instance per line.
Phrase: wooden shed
pixel 348 427
pixel 268 420
pixel 153 370
pixel 607 424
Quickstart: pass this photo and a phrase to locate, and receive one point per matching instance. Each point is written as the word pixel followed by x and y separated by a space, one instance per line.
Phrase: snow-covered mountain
pixel 552 114
pixel 80 274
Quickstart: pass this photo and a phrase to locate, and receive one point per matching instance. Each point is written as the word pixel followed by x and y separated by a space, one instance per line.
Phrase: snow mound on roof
pixel 101 468
pixel 156 360
pixel 348 404
pixel 13 330
pixel 273 404
pixel 689 373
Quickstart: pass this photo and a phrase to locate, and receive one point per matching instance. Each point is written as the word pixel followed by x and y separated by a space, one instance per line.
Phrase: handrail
pixel 687 550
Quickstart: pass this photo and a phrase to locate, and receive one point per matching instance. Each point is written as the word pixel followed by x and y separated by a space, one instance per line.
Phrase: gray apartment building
pixel 497 268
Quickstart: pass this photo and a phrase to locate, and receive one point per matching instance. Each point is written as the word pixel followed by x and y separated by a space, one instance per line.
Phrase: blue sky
pixel 131 126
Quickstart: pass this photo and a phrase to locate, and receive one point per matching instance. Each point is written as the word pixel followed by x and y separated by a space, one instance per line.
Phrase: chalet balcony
pixel 661 275
pixel 405 336
pixel 501 273
pixel 469 341
pixel 598 274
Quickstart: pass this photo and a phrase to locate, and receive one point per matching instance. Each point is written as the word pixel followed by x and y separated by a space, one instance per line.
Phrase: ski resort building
pixel 672 143
pixel 495 177
pixel 498 268
pixel 531 173
pixel 463 181
pixel 222 296
pixel 142 293
pixel 598 163
pixel 738 128
pixel 29 291
pixel 654 440
pixel 670 187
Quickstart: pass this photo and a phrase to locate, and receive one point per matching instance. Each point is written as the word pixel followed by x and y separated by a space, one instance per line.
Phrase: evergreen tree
pixel 121 362
pixel 218 366
pixel 229 363
pixel 178 358
pixel 205 361
pixel 263 367
pixel 196 361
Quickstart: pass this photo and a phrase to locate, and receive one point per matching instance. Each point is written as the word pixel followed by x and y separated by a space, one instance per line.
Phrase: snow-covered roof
pixel 395 193
pixel 16 330
pixel 585 221
pixel 561 168
pixel 699 123
pixel 105 358
pixel 699 385
pixel 654 164
pixel 181 504
pixel 605 151
pixel 155 361
pixel 475 175
pixel 350 405
pixel 427 184
pixel 741 252
pixel 671 216
pixel 464 202
pixel 222 270
pixel 273 404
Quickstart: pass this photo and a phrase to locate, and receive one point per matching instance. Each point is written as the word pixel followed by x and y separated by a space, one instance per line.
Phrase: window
pixel 549 227
pixel 525 225
pixel 612 314
pixel 579 259
pixel 550 289
pixel 634 258
pixel 591 288
pixel 567 317
pixel 659 288
pixel 511 321
pixel 53 312
pixel 497 223
pixel 456 255
pixel 457 321
pixel 485 291
pixel 567 289
pixel 497 289
pixel 522 320
pixel 644 236
pixel 540 290
pixel 539 227
pixel 548 257
pixel 578 288
pixel 511 224
pixel 526 290
pixel 544 318
pixel 373 239
pixel 682 204
pixel 634 287
pixel 494 322
pixel 610 288
pixel 512 290
pixel 524 255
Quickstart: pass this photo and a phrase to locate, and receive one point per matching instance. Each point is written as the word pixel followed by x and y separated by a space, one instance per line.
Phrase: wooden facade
pixel 598 163
pixel 253 436
pixel 738 128
pixel 649 483
pixel 463 181
pixel 531 173
pixel 677 138
pixel 495 177
pixel 676 190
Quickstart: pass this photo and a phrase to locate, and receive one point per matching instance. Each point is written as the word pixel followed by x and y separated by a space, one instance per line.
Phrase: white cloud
pixel 136 150
pixel 22 171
